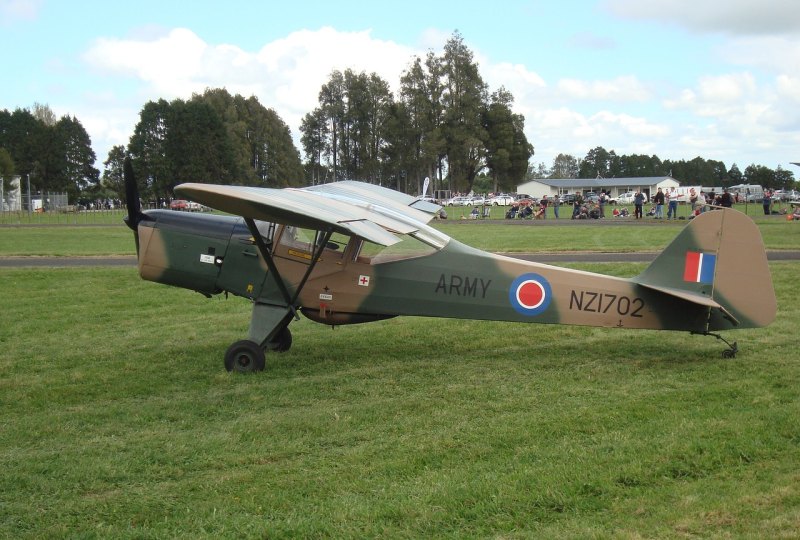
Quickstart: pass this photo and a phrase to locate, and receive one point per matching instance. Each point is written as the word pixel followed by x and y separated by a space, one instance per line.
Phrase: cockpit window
pixel 416 244
pixel 301 242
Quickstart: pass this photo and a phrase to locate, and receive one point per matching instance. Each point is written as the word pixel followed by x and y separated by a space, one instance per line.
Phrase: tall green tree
pixel 421 90
pixel 259 149
pixel 734 175
pixel 331 98
pixel 113 178
pixel 599 162
pixel 507 148
pixel 78 172
pixel 197 146
pixel 565 166
pixel 148 149
pixel 464 100
pixel 314 129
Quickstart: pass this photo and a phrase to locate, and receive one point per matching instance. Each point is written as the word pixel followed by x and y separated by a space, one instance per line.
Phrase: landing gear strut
pixel 732 349
pixel 269 323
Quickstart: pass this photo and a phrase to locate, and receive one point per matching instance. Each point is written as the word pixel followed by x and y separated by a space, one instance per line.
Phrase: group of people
pixel 699 202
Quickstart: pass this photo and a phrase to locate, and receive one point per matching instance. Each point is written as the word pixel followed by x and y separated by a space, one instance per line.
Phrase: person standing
pixel 693 200
pixel 543 204
pixel 726 200
pixel 658 199
pixel 767 202
pixel 576 207
pixel 638 203
pixel 602 202
pixel 556 201
pixel 672 203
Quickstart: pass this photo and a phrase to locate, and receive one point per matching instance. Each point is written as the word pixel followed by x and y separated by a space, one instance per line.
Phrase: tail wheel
pixel 244 356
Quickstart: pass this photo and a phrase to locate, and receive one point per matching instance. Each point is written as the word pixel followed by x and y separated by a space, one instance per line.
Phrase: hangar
pixel 614 186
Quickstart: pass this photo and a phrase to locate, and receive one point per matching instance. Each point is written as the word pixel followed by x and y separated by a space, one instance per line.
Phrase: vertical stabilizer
pixel 718 260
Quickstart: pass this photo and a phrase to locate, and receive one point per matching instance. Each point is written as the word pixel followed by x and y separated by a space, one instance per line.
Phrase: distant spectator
pixel 638 203
pixel 658 200
pixel 726 200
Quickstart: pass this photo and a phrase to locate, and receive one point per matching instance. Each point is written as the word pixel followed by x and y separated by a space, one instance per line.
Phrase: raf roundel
pixel 530 294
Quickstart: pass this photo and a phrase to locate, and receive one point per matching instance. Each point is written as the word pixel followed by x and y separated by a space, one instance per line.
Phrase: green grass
pixel 119 421
pixel 491 235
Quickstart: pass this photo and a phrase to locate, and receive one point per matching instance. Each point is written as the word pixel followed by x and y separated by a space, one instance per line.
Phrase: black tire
pixel 244 357
pixel 282 341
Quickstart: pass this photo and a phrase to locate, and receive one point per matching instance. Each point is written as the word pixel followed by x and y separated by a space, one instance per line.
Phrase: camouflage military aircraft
pixel 350 252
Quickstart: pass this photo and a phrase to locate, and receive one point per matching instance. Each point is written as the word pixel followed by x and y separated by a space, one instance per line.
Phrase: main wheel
pixel 244 356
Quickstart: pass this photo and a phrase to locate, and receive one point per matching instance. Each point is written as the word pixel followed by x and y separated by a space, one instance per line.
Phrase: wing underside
pixel 354 208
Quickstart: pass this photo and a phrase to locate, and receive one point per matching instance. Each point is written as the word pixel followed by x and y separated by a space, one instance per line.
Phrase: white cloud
pixel 13 11
pixel 285 75
pixel 736 17
pixel 776 54
pixel 622 89
pixel 718 116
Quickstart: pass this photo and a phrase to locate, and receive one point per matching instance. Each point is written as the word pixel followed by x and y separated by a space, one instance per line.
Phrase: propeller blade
pixel 131 196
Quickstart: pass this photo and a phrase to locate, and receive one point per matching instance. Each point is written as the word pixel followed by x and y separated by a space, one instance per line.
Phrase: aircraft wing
pixel 351 208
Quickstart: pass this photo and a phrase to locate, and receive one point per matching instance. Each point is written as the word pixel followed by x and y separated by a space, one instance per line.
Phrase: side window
pixel 298 239
pixel 267 230
pixel 300 242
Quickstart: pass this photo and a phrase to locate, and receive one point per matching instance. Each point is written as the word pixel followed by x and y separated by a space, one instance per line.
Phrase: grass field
pixel 119 420
pixel 490 235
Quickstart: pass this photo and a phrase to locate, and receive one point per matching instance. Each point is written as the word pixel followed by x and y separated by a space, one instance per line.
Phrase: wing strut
pixel 263 248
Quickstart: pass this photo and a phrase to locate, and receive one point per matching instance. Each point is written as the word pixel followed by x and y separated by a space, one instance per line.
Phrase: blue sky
pixel 675 78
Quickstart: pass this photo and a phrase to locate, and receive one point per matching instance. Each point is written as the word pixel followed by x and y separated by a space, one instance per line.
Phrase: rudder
pixel 719 261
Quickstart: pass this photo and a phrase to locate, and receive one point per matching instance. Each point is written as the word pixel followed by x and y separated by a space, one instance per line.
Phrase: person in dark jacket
pixel 638 203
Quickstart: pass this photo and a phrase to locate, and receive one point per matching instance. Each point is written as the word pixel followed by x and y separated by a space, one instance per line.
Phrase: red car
pixel 179 204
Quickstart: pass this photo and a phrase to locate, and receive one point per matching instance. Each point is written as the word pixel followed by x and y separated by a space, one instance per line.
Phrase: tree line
pixel 443 124
pixel 698 171
pixel 55 153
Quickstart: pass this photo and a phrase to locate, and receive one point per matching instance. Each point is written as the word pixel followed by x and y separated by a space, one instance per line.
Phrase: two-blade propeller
pixel 135 214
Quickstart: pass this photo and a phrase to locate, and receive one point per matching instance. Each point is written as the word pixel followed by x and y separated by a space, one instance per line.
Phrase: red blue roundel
pixel 530 294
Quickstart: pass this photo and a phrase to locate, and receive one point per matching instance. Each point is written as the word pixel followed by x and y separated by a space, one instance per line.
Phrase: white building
pixel 615 186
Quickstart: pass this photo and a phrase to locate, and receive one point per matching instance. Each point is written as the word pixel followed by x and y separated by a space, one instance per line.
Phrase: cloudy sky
pixel 675 78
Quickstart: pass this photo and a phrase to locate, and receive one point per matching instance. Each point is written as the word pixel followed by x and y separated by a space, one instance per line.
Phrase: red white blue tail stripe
pixel 699 267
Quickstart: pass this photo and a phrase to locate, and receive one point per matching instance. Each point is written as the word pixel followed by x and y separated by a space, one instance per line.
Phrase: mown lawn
pixel 119 421
pixel 490 235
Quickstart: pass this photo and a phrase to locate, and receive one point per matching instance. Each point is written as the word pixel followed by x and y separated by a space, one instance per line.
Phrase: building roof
pixel 562 183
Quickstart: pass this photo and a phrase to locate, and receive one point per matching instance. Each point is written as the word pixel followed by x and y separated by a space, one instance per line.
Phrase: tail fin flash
pixel 718 261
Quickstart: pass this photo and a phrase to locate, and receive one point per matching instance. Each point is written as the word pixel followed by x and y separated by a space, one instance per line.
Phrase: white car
pixel 460 201
pixel 478 201
pixel 627 198
pixel 501 200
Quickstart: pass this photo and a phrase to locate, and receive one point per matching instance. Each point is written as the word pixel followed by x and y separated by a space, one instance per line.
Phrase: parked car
pixel 460 201
pixel 501 200
pixel 627 197
pixel 478 201
pixel 567 198
pixel 179 204
pixel 787 195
